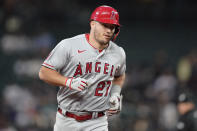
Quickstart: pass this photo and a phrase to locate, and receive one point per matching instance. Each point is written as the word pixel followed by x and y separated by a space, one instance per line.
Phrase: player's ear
pixel 92 23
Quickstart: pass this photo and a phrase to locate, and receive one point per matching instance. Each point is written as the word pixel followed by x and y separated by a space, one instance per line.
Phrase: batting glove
pixel 115 104
pixel 78 84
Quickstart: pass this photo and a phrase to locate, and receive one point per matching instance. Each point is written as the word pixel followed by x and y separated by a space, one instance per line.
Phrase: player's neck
pixel 96 44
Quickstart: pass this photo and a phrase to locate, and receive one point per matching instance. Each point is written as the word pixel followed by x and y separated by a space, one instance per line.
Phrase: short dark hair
pixel 186 97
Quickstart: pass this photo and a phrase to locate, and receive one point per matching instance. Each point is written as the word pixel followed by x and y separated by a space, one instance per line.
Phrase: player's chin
pixel 106 41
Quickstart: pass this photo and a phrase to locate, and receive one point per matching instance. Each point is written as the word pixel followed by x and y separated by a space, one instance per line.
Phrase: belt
pixel 80 117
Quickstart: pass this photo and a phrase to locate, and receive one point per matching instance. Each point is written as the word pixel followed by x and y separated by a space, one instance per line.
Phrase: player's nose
pixel 109 30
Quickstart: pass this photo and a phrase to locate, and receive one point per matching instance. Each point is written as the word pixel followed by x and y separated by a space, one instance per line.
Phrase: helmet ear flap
pixel 116 32
pixel 117 29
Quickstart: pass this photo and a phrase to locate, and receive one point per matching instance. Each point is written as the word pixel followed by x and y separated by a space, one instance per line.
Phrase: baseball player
pixel 90 71
pixel 187 112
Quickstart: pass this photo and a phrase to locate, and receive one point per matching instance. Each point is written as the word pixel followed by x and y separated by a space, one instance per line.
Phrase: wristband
pixel 71 82
pixel 116 89
pixel 66 81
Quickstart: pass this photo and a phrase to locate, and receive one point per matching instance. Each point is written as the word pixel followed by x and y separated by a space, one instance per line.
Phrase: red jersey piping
pixel 48 65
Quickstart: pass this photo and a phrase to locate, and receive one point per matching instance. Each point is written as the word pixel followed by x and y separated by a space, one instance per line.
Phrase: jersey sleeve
pixel 58 57
pixel 121 70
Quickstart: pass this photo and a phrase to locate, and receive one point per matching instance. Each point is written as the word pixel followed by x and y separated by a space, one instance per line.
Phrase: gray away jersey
pixel 76 57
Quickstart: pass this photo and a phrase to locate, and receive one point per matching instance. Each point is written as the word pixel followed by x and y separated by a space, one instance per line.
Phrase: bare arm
pixel 52 77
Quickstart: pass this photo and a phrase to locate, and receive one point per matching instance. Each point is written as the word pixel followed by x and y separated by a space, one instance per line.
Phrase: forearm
pixel 52 77
pixel 119 80
pixel 117 84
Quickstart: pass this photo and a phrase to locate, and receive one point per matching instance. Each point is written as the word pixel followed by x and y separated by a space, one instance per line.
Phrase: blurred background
pixel 159 37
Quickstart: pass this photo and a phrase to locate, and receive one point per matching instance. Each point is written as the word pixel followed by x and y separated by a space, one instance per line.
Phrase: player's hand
pixel 78 84
pixel 115 104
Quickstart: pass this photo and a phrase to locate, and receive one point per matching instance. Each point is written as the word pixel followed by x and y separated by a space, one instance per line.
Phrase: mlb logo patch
pixel 113 15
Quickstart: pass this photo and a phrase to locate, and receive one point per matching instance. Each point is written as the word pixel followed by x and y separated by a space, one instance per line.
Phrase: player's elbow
pixel 41 74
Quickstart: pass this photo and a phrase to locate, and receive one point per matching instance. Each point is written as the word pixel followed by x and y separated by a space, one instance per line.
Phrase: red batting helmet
pixel 107 14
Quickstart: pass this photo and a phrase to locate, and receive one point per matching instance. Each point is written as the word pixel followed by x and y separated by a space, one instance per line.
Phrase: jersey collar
pixel 87 38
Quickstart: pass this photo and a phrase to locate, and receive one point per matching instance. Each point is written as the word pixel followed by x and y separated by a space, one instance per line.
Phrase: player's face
pixel 103 32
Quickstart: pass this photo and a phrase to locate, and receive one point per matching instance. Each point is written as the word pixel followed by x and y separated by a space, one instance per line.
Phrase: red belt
pixel 80 117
